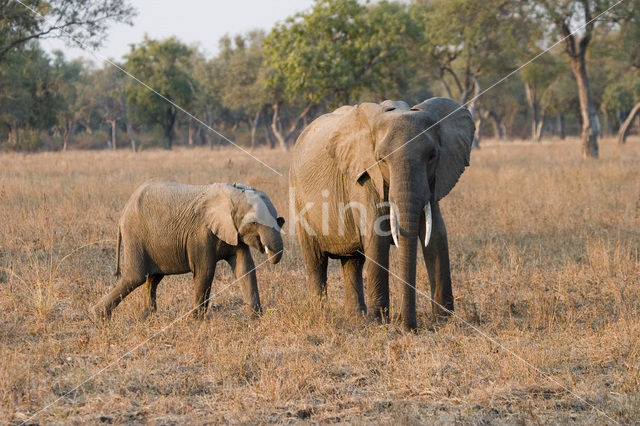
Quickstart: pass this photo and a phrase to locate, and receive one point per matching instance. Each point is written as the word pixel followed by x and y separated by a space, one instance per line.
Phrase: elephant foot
pixel 255 312
pixel 441 318
pixel 356 311
pixel 410 327
pixel 147 313
pixel 379 315
pixel 199 313
pixel 321 300
pixel 408 324
pixel 100 313
pixel 442 312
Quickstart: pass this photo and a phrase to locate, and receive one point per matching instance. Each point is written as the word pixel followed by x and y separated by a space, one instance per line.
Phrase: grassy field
pixel 545 252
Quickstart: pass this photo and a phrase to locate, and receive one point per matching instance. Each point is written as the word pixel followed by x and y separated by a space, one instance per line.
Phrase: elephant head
pixel 416 154
pixel 244 214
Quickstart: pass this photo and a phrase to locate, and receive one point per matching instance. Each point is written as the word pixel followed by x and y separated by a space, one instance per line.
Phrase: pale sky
pixel 198 22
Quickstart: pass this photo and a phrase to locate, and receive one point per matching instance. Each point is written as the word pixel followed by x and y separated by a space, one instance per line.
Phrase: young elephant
pixel 169 228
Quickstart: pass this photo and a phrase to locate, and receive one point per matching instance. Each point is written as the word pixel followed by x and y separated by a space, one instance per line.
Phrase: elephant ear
pixel 352 144
pixel 218 213
pixel 260 210
pixel 455 130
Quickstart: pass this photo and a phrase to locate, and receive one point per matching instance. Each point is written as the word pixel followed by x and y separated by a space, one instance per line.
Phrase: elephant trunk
pixel 408 195
pixel 272 242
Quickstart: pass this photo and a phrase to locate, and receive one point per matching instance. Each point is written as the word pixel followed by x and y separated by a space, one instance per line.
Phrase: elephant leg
pixel 202 282
pixel 150 294
pixel 316 263
pixel 436 258
pixel 125 285
pixel 317 272
pixel 377 270
pixel 354 291
pixel 244 271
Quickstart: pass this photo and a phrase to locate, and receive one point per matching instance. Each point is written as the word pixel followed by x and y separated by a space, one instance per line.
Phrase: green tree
pixel 240 73
pixel 164 66
pixel 27 93
pixel 87 116
pixel 103 96
pixel 623 97
pixel 502 105
pixel 471 42
pixel 335 52
pixel 68 82
pixel 622 94
pixel 560 99
pixel 537 78
pixel 207 101
pixel 575 21
pixel 83 21
pixel 400 71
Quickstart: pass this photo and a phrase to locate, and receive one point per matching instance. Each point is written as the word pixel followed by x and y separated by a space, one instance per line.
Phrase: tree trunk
pixel 14 136
pixel 254 127
pixel 123 105
pixel 626 125
pixel 197 135
pixel 86 126
pixel 208 116
pixel 538 130
pixel 498 130
pixel 113 133
pixel 474 114
pixel 298 119
pixel 305 119
pixel 577 51
pixel 275 124
pixel 190 131
pixel 561 126
pixel 587 110
pixel 477 135
pixel 445 86
pixel 619 119
pixel 65 136
pixel 270 141
pixel 606 127
pixel 168 126
pixel 532 103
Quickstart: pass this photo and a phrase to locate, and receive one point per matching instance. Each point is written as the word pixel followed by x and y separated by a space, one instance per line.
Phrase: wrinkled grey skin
pixel 347 153
pixel 169 228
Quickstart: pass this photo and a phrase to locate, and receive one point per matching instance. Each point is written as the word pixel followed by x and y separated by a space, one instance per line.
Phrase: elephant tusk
pixel 394 226
pixel 428 223
pixel 266 250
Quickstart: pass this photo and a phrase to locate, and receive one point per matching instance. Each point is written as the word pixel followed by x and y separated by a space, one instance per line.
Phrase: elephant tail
pixel 119 243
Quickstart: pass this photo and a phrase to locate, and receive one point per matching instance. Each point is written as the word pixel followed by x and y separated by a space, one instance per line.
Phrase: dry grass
pixel 545 259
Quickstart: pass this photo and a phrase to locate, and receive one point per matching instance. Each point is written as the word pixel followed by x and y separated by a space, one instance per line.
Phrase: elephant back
pixel 338 148
pixel 310 153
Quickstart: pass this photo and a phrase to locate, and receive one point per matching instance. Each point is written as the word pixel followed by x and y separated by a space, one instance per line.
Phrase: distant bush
pixel 23 140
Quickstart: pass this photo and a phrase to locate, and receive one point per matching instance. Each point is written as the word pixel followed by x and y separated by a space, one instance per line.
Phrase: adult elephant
pixel 361 170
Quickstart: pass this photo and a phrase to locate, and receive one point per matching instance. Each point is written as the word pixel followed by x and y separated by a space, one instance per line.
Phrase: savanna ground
pixel 545 260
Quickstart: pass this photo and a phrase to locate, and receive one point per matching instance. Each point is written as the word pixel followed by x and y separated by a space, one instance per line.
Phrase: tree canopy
pixel 80 21
pixel 338 50
pixel 164 66
pixel 263 86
